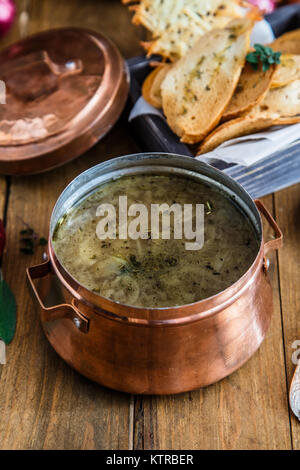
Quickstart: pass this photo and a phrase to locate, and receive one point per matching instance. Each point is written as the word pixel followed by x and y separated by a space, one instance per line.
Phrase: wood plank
pixel 3 186
pixel 247 410
pixel 44 404
pixel 51 403
pixel 47 405
pixel 287 206
pixel 110 18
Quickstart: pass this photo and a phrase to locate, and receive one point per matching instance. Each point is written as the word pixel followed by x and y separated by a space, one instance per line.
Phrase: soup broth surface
pixel 150 272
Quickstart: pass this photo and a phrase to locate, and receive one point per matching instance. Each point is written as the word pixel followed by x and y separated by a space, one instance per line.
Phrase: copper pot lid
pixel 65 89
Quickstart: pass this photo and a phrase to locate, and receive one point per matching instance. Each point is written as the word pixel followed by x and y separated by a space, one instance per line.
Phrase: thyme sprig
pixel 29 240
pixel 263 54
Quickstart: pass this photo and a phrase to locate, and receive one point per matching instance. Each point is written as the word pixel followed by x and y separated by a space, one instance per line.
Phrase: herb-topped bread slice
pixel 287 71
pixel 151 89
pixel 199 86
pixel 283 101
pixel 177 24
pixel 288 43
pixel 251 89
pixel 281 106
pixel 235 128
pixel 178 38
pixel 244 125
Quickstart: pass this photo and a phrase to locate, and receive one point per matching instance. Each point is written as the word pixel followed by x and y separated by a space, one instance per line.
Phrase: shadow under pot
pixel 155 349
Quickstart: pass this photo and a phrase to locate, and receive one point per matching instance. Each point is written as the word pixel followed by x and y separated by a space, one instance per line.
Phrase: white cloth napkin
pixel 262 33
pixel 245 150
pixel 141 107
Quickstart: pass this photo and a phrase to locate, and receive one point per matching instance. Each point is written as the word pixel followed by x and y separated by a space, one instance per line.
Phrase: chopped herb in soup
pixel 156 272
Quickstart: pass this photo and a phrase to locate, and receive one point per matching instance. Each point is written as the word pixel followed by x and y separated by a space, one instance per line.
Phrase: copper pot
pixel 157 350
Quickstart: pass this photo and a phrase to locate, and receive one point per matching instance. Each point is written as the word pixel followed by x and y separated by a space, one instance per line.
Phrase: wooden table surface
pixel 44 404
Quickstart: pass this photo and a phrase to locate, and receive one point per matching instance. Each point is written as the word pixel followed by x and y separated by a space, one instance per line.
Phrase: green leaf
pixel 252 57
pixel 8 309
pixel 277 56
pixel 268 50
pixel 265 66
pixel 27 231
pixel 259 47
pixel 263 54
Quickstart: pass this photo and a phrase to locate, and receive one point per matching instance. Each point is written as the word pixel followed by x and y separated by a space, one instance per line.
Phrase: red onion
pixel 7 15
pixel 2 238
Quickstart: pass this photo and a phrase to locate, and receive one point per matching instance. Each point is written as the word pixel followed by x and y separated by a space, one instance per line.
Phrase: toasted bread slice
pixel 176 25
pixel 151 89
pixel 178 39
pixel 288 43
pixel 284 101
pixel 157 15
pixel 199 86
pixel 251 89
pixel 287 71
pixel 281 106
pixel 243 125
pixel 286 120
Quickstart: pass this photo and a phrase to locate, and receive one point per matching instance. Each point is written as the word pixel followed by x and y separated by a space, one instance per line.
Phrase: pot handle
pixel 58 311
pixel 276 243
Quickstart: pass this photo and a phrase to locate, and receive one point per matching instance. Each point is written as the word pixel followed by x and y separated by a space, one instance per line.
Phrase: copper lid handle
pixel 58 311
pixel 35 74
pixel 70 67
pixel 277 242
